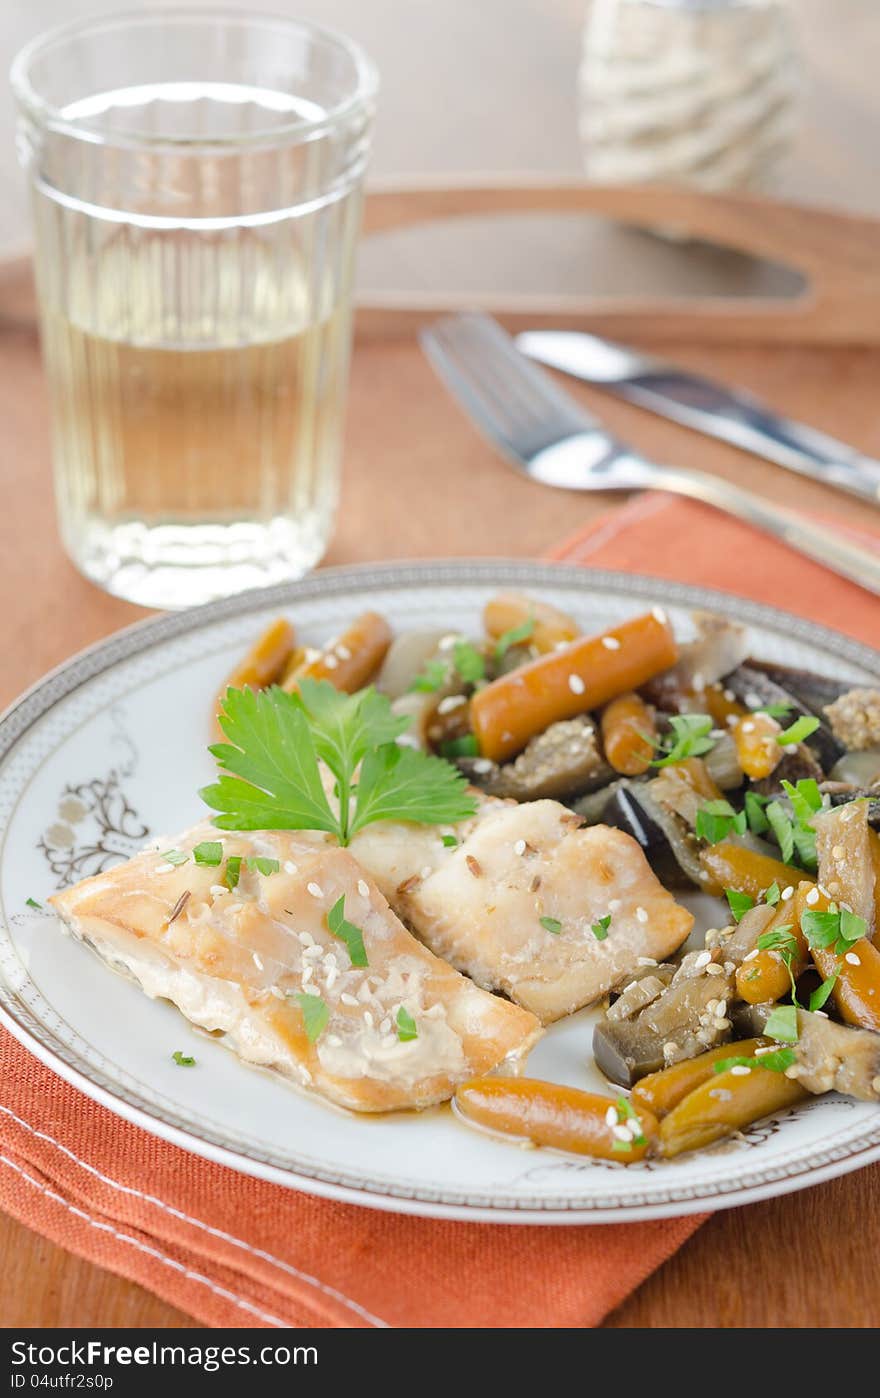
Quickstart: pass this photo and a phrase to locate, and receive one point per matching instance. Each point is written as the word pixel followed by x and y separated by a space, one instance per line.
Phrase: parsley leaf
pixel 775 1062
pixel 32 903
pixel 183 1060
pixel 551 924
pixel 469 663
pixel 715 819
pixel 772 894
pixel 782 1024
pixel 232 872
pixel 272 778
pixel 315 1015
pixel 689 738
pixel 260 865
pixel 209 852
pixel 174 856
pixel 779 939
pixel 755 806
pixel 836 929
pixel 739 903
pixel 781 827
pixel 406 1026
pixel 799 730
pixel 774 710
pixel 819 996
pixel 348 933
pixel 514 637
pixel 600 928
pixel 449 841
pixel 432 678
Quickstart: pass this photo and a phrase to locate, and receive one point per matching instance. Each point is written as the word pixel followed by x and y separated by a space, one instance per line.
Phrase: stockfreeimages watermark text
pixel 93 1354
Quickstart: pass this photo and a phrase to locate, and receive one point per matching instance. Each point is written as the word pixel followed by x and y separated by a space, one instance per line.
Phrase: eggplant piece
pixel 753 688
pixel 685 1020
pixel 722 763
pixel 719 646
pixel 814 692
pixel 561 762
pixel 795 766
pixel 830 1057
pixel 664 839
pixel 642 989
pixel 855 719
pixel 846 866
pixel 592 805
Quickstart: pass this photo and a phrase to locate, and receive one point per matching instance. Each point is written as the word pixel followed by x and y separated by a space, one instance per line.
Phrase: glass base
pixel 172 566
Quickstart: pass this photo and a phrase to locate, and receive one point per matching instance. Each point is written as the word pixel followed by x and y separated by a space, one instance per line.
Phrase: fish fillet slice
pixel 238 960
pixel 479 905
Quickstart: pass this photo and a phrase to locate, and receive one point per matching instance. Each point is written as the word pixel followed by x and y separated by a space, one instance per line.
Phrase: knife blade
pixel 731 415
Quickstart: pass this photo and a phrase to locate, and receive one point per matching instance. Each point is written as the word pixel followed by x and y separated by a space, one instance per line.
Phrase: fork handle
pixel 859 564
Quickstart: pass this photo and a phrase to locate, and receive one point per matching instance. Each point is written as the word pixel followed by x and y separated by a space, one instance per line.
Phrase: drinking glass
pixel 196 180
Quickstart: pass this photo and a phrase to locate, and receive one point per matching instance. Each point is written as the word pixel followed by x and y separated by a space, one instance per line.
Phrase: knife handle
pixel 849 559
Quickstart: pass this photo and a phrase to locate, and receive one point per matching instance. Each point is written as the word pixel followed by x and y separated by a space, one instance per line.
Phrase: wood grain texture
pixel 803 1260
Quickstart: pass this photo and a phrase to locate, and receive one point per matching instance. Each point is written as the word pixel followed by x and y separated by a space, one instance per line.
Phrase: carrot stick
pixel 573 680
pixel 352 659
pixel 627 731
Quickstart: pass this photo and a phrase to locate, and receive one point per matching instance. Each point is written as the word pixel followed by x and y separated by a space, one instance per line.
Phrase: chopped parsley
pixel 772 895
pixel 834 930
pixel 781 710
pixel 174 856
pixel 449 841
pixel 551 924
pixel 599 928
pixel 406 1026
pixel 466 746
pixel 232 871
pixel 820 995
pixel 755 806
pixel 782 1024
pixel 514 637
pixel 432 678
pixel 260 865
pixel 183 1060
pixel 315 1015
pixel 716 819
pixel 780 824
pixel 270 764
pixel 469 663
pixel 209 852
pixel 689 738
pixel 348 933
pixel 32 903
pixel 739 903
pixel 799 730
pixel 775 1062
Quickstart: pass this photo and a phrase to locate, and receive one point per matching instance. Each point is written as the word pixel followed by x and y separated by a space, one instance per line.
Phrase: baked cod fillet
pixel 480 904
pixel 259 963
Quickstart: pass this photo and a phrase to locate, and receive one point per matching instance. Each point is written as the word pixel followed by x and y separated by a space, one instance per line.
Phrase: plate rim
pixel 101 656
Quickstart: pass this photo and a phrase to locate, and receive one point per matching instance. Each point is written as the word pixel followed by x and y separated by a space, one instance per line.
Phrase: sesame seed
pixel 426 872
pixel 703 959
pixel 307 974
pixel 452 701
pixel 753 700
pixel 750 955
pixel 315 889
pixel 659 614
pixel 614 905
pixel 837 852
pixel 576 684
pixel 368 1019
pixel 852 959
pixel 721 1009
pixel 289 866
pixel 535 884
pixel 875 1083
pixel 740 1070
pixel 343 652
pixel 611 1116
pixel 787 893
pixel 645 961
pixel 312 952
pixel 622 1133
pixel 698 681
pixel 447 642
pixel 482 765
pixel 348 999
pixel 474 866
pixel 748 727
pixel 333 1041
pixel 714 970
pixel 641 915
pixel 363 888
pixel 218 888
pixel 330 662
pixel 385 1026
pixel 812 896
pixel 331 977
pixel 519 847
pixel 163 868
pixel 257 962
pixel 306 939
pixel 611 643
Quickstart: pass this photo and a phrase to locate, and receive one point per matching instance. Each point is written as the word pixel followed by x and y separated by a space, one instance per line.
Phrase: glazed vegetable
pixel 722 763
pixel 564 1118
pixel 753 687
pixel 727 865
pixel 811 691
pixel 352 660
pixel 510 613
pixel 581 676
pixel 855 718
pixel 684 788
pixel 853 967
pixel 660 1092
pixel 561 762
pixel 830 1057
pixel 628 734
pixel 764 976
pixel 726 1103
pixel 663 838
pixel 846 868
pixel 264 663
pixel 858 769
pixel 406 659
pixel 720 646
pixel 758 751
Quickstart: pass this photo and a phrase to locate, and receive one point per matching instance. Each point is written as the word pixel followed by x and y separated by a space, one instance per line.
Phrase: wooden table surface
pixel 806 1259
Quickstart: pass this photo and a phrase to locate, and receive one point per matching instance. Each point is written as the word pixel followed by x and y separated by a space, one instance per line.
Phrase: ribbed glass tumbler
pixel 196 181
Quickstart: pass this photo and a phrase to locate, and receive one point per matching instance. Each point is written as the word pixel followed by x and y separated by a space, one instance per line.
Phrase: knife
pixel 731 415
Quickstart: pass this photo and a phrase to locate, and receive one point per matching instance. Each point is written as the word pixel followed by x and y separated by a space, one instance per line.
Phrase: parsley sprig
pixel 270 764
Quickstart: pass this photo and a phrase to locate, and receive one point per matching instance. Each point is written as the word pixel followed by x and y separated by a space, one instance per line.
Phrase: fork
pixel 549 437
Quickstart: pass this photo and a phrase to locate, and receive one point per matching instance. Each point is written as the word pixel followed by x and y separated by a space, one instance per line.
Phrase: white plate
pixel 111 748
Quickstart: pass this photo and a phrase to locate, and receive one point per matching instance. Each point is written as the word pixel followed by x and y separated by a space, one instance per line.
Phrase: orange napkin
pixel 231 1250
